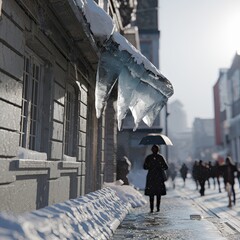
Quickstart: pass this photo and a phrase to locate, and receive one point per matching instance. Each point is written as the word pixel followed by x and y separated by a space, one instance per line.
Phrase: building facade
pixel 179 133
pixel 221 111
pixel 177 120
pixel 227 110
pixel 52 146
pixel 59 64
pixel 203 139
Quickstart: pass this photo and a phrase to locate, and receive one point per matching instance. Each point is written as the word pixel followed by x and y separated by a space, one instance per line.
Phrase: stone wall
pixel 29 29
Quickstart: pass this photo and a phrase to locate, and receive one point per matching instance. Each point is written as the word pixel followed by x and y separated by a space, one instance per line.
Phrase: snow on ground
pixel 127 194
pixel 93 216
pixel 137 177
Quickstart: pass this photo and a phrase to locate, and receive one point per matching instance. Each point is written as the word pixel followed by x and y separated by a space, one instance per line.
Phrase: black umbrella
pixel 155 138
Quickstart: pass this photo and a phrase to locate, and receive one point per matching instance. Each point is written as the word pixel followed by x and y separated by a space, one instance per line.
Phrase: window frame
pixel 30 122
pixel 70 132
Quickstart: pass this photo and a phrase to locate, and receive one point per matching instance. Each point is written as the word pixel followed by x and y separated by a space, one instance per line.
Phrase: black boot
pixel 158 202
pixel 151 200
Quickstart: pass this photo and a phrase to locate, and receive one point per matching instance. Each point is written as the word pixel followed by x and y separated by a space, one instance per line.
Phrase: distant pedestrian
pixel 228 171
pixel 217 174
pixel 202 177
pixel 172 173
pixel 195 173
pixel 155 186
pixel 184 171
pixel 207 174
pixel 123 169
pixel 211 174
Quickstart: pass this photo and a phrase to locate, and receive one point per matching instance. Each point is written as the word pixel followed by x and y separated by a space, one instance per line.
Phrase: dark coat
pixel 195 171
pixel 202 173
pixel 184 171
pixel 155 164
pixel 228 172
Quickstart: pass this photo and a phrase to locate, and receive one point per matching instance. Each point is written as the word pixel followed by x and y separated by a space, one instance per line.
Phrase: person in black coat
pixel 155 186
pixel 217 173
pixel 195 173
pixel 202 177
pixel 172 173
pixel 228 173
pixel 184 172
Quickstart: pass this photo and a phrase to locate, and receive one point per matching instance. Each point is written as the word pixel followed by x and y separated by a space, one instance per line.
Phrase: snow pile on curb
pixel 93 216
pixel 127 193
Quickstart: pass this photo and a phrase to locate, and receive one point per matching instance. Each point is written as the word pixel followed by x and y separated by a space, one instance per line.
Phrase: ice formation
pixel 141 86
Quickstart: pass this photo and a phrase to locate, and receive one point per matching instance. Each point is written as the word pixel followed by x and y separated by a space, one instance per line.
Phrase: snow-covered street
pixel 179 217
pixel 215 203
pixel 121 212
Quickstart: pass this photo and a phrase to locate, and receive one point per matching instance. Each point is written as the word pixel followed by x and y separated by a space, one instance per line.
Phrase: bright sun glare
pixel 231 35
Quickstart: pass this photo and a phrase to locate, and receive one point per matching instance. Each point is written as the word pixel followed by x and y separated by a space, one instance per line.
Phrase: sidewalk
pixel 174 221
pixel 215 203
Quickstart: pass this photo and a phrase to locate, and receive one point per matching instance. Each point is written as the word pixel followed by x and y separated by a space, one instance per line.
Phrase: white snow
pixel 124 44
pixel 101 24
pixel 127 194
pixel 98 214
pixel 93 216
pixel 142 88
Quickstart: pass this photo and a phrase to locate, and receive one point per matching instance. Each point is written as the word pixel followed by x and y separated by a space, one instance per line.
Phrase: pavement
pixel 184 215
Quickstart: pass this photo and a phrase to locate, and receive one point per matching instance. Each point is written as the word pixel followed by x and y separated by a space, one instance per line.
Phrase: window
pixel 30 102
pixel 70 119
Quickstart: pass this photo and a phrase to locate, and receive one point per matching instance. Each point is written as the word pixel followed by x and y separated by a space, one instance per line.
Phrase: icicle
pixel 141 87
pixel 126 85
pixel 144 99
pixel 154 112
pixel 107 74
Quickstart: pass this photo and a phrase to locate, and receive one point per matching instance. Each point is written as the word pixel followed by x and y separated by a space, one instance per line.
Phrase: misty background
pixel 197 39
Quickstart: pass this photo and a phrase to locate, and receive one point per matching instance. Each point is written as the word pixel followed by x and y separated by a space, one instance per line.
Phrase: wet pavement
pixel 184 215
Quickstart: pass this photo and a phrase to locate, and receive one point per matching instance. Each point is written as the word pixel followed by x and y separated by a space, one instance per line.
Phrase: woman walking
pixel 228 171
pixel 155 186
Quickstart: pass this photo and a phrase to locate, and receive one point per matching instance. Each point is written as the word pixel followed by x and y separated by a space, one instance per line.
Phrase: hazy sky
pixel 198 37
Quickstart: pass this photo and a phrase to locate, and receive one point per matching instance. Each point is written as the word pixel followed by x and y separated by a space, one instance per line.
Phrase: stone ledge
pixel 55 167
pixel 93 216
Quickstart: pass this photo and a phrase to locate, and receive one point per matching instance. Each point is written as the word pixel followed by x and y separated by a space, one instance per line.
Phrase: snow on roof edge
pixel 124 44
pixel 101 24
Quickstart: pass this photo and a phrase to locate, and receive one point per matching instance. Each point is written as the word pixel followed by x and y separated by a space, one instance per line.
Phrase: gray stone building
pixel 58 140
pixel 227 110
pixel 233 109
pixel 177 119
pixel 52 146
pixel 203 139
pixel 179 133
